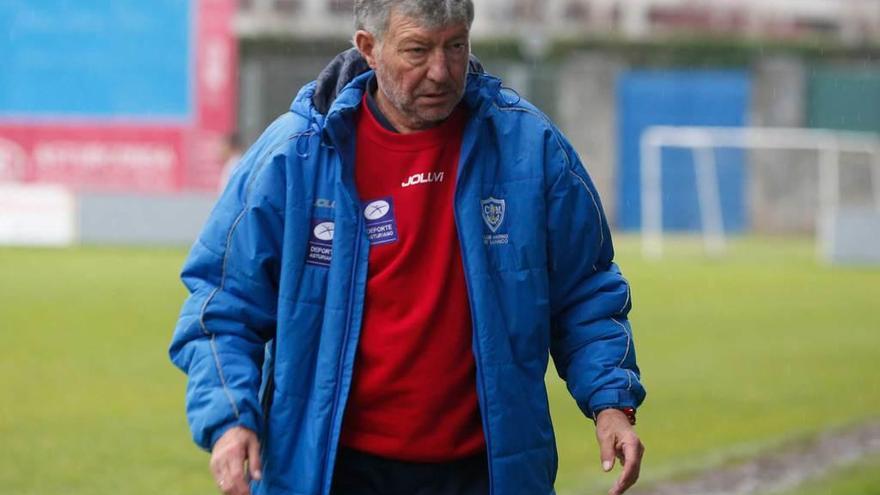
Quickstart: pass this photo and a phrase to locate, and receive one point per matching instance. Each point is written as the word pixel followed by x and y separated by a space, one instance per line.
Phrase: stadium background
pixel 113 122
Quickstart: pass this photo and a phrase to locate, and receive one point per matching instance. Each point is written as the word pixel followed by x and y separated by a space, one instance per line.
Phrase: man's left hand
pixel 618 439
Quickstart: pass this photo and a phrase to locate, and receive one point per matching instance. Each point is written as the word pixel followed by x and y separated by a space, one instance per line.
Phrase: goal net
pixel 828 155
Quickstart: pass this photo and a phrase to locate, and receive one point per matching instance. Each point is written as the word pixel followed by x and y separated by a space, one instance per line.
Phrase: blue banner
pixel 96 59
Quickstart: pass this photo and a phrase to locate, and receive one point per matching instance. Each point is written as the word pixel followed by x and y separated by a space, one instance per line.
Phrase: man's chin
pixel 435 116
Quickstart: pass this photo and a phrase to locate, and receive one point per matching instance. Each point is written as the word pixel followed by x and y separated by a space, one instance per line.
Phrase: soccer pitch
pixel 738 354
pixel 863 478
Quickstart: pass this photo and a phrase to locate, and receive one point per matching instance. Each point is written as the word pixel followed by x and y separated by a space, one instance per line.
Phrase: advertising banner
pixel 120 96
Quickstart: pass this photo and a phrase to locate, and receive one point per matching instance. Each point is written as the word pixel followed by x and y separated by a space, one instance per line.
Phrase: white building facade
pixel 850 21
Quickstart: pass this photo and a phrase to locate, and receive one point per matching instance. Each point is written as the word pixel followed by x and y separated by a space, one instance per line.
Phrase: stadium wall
pixel 158 220
pixel 782 192
pixel 54 216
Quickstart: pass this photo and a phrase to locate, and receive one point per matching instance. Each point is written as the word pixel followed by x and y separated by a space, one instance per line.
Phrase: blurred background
pixel 735 144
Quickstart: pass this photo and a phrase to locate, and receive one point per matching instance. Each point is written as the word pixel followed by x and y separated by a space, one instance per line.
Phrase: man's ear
pixel 366 44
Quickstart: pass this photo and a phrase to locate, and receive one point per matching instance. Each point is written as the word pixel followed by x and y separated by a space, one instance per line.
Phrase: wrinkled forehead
pixel 404 25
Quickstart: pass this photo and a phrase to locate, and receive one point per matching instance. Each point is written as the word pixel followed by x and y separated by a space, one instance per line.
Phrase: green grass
pixel 862 478
pixel 88 401
pixel 737 354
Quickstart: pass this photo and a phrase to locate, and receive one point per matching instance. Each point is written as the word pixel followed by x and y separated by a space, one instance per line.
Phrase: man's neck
pixel 372 90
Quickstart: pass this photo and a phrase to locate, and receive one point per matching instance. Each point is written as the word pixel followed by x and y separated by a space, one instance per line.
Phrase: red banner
pixel 216 64
pixel 94 157
pixel 216 93
pixel 107 154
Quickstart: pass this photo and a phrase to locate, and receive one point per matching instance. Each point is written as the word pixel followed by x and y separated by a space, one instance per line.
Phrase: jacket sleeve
pixel 232 277
pixel 591 341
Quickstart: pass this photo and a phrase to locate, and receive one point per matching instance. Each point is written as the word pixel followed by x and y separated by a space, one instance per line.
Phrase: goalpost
pixel 703 142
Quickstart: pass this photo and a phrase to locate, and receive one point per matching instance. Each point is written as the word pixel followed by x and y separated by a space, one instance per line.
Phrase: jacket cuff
pixel 604 399
pixel 246 420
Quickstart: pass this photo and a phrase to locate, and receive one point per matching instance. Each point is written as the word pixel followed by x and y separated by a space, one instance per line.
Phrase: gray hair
pixel 373 15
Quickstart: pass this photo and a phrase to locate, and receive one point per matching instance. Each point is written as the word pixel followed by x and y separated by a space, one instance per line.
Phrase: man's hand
pixel 228 457
pixel 618 439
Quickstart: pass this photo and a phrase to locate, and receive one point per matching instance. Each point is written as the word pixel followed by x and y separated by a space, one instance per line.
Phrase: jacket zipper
pixel 267 394
pixel 266 406
pixel 332 438
pixel 481 382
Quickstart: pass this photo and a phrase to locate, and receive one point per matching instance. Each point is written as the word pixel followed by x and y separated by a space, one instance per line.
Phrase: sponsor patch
pixel 321 243
pixel 381 224
pixel 493 210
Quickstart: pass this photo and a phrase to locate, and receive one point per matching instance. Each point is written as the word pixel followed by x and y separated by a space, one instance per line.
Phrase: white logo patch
pixel 321 243
pixel 324 203
pixel 324 231
pixel 376 210
pixel 381 224
pixel 423 178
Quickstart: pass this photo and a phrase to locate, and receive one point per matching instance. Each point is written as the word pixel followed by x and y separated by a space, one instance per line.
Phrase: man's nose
pixel 438 68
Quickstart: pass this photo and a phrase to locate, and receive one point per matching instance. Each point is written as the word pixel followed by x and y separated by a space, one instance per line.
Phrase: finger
pixel 216 467
pixel 223 485
pixel 228 463
pixel 606 451
pixel 220 470
pixel 238 484
pixel 223 477
pixel 632 461
pixel 255 466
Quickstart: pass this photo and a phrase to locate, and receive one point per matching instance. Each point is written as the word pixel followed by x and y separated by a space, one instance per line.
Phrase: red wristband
pixel 630 413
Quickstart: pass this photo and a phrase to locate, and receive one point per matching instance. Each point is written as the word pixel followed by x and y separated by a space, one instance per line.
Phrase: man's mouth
pixel 434 96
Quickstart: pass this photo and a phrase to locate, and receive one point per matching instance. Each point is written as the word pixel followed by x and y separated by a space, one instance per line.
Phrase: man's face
pixel 421 71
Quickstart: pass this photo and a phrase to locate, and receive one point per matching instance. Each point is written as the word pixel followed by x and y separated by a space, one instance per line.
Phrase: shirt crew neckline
pixel 433 137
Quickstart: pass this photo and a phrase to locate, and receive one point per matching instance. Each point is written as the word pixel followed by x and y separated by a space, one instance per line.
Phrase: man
pixel 375 296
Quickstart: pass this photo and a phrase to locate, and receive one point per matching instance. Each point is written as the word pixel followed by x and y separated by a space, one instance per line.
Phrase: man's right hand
pixel 237 446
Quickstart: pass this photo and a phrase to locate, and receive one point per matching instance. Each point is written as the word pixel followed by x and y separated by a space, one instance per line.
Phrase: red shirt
pixel 413 394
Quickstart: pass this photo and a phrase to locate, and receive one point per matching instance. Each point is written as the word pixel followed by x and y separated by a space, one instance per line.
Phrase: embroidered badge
pixel 321 243
pixel 493 210
pixel 381 224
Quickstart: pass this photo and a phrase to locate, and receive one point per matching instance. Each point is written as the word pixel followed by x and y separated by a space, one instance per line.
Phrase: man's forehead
pixel 404 26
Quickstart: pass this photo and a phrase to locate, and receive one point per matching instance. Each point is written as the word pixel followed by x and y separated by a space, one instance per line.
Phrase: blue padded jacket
pixel 269 333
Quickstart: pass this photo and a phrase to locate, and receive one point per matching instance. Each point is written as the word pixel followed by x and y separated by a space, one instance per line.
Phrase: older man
pixel 375 296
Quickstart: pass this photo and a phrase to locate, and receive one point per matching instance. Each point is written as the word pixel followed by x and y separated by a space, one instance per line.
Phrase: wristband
pixel 630 413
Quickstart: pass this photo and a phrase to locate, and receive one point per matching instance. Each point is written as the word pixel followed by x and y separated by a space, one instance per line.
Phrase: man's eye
pixel 458 47
pixel 415 51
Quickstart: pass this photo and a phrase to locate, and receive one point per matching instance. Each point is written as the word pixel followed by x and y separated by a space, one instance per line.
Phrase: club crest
pixel 493 213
